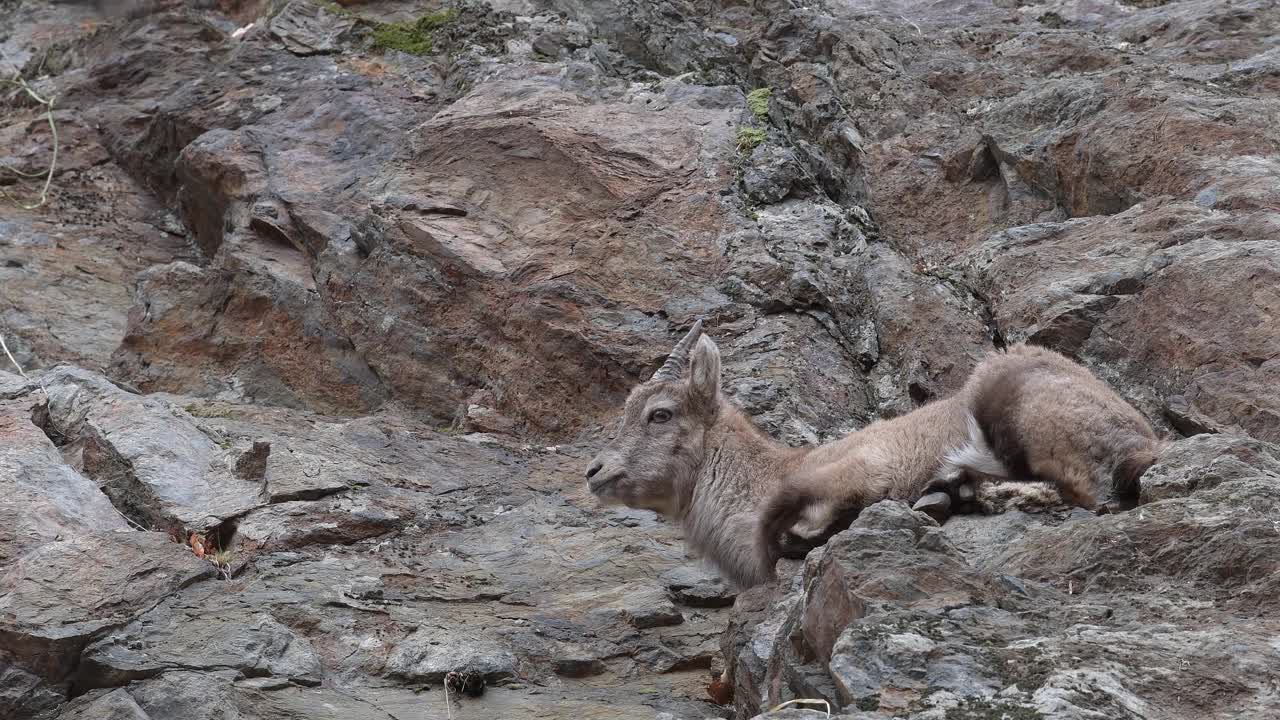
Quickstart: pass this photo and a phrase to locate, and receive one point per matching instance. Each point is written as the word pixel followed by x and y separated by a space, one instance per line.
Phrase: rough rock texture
pixel 158 467
pixel 354 318
pixel 377 555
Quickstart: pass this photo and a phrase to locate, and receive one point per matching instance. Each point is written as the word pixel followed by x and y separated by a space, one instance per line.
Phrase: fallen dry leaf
pixel 720 691
pixel 197 545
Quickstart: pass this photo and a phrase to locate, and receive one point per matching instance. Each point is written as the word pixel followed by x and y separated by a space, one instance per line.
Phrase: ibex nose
pixel 595 468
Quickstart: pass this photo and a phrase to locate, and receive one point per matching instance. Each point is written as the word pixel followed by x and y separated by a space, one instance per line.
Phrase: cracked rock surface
pixel 321 333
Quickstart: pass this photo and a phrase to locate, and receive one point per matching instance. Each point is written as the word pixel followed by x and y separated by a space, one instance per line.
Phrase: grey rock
pixel 158 466
pixel 648 608
pixel 172 637
pixel 21 691
pixel 291 525
pixel 307 29
pixel 430 653
pixel 298 702
pixel 1206 461
pixel 772 174
pixel 981 537
pixel 697 586
pixel 65 592
pixel 110 705
pixel 13 385
pixel 1163 534
pixel 803 714
pixel 194 695
pixel 45 498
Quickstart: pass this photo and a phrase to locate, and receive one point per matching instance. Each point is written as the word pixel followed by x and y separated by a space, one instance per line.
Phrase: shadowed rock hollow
pixel 356 318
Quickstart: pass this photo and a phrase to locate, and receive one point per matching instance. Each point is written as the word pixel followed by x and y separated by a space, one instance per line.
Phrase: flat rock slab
pixel 331 521
pixel 150 457
pixel 45 499
pixel 427 656
pixel 61 595
pixel 179 636
pixel 698 586
pixel 200 696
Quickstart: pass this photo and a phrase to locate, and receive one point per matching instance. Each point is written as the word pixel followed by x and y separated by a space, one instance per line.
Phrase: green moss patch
pixel 758 102
pixel 415 37
pixel 749 138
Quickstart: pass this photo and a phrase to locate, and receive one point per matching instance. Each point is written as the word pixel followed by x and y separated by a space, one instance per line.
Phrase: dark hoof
pixel 943 486
pixel 794 547
pixel 936 505
pixel 1113 506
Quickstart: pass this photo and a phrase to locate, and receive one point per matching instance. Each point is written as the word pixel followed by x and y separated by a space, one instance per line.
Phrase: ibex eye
pixel 660 415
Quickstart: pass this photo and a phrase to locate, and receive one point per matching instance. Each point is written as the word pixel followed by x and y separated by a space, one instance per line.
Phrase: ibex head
pixel 653 460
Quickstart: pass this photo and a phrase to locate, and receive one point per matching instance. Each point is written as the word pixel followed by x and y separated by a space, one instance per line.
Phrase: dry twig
pixel 23 373
pixel 803 701
pixel 21 83
pixel 448 705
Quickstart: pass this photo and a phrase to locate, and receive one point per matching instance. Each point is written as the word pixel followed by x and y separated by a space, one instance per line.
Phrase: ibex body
pixel 744 500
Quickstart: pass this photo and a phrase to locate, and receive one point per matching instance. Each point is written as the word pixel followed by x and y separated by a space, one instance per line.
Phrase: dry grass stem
pixel 21 83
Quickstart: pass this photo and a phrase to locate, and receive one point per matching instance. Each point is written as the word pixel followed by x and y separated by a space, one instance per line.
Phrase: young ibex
pixel 744 500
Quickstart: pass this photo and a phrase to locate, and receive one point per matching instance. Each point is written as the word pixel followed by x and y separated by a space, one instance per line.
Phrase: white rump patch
pixel 974 456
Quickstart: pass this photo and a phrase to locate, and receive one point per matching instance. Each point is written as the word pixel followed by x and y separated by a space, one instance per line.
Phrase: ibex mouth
pixel 597 484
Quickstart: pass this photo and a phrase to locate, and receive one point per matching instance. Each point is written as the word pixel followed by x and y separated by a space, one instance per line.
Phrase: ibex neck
pixel 740 466
pixel 734 429
pixel 740 469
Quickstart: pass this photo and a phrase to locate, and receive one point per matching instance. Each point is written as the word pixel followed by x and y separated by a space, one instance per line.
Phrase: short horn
pixel 673 368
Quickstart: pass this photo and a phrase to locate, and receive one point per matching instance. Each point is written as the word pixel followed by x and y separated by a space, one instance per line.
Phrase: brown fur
pixel 1044 417
pixel 1048 418
pixel 706 467
pixel 775 537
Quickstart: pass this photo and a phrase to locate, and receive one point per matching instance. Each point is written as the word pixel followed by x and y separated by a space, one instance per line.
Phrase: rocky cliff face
pixel 348 296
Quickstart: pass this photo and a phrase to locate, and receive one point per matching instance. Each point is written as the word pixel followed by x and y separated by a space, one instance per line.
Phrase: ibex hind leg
pixel 1074 481
pixel 1093 469
pixel 1000 409
pixel 1047 418
pixel 1126 487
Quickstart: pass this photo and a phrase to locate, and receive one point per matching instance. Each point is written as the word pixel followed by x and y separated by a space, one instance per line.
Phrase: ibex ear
pixel 704 370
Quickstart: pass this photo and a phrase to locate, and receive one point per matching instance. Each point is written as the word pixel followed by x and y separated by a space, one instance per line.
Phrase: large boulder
pixel 46 499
